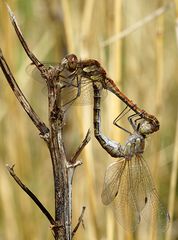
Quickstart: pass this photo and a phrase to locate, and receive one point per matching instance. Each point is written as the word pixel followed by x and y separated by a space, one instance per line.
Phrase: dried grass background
pixel 144 64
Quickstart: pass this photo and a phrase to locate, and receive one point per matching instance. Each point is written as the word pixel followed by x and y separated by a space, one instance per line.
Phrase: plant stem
pixel 63 170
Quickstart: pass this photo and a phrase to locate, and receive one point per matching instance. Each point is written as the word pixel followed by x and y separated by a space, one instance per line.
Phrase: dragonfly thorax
pixel 134 145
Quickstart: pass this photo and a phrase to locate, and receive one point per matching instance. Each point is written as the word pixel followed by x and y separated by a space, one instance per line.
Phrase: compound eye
pixel 72 62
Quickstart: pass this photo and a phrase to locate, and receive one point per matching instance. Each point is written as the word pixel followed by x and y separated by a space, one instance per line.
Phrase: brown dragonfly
pixel 128 184
pixel 74 76
pixel 76 87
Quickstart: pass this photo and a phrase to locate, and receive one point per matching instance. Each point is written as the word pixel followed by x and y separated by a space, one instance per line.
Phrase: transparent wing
pixel 154 211
pixel 125 204
pixel 78 90
pixel 35 74
pixel 137 186
pixel 111 181
pixel 129 187
pixel 81 91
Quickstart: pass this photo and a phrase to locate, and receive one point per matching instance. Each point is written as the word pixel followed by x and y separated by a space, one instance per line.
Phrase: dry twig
pixel 62 168
pixel 30 194
pixel 79 222
pixel 33 58
pixel 44 131
pixel 81 147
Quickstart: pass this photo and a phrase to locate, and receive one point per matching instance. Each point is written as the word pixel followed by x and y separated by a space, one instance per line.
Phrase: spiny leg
pixel 66 81
pixel 134 123
pixel 122 114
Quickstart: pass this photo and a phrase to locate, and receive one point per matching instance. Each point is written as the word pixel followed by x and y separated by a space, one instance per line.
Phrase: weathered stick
pixel 63 169
pixel 79 222
pixel 81 147
pixel 33 58
pixel 44 131
pixel 30 194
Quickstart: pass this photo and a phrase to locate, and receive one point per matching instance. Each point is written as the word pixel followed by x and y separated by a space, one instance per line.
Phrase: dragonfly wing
pixel 125 203
pixel 76 88
pixel 137 185
pixel 154 211
pixel 81 91
pixel 35 74
pixel 111 181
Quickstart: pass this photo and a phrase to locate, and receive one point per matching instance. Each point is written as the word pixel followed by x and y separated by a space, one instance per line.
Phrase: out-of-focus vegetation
pixel 143 64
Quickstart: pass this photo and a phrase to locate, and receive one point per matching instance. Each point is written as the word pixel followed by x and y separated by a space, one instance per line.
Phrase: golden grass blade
pixel 112 104
pixel 68 25
pixel 87 18
pixel 173 183
pixel 176 20
pixel 158 103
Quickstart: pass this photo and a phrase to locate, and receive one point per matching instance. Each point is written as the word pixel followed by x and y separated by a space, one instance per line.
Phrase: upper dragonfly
pixel 72 72
pixel 73 76
pixel 128 184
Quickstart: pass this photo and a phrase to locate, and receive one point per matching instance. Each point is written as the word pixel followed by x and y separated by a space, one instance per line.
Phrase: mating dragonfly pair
pixel 128 184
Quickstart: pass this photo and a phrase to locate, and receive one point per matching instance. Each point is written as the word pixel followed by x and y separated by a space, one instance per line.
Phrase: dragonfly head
pixel 146 127
pixel 70 62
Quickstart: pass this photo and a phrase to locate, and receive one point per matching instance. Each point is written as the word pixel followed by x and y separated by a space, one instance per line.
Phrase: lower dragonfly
pixel 128 184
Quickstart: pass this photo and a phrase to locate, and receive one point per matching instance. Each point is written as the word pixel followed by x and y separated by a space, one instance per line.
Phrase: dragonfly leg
pixel 78 86
pixel 138 124
pixel 134 123
pixel 68 83
pixel 122 114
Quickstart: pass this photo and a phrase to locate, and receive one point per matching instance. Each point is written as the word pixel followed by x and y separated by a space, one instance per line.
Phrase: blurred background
pixel 135 41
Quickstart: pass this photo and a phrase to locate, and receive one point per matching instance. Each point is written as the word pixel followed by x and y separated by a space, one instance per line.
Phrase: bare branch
pixel 33 58
pixel 80 220
pixel 137 25
pixel 81 147
pixel 44 131
pixel 31 195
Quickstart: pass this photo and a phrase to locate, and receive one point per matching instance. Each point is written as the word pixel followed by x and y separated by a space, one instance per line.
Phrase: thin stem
pixel 30 194
pixel 44 131
pixel 33 58
pixel 79 222
pixel 81 147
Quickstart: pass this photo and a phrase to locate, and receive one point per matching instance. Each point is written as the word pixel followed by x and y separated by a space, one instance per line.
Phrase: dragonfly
pixel 74 76
pixel 128 184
